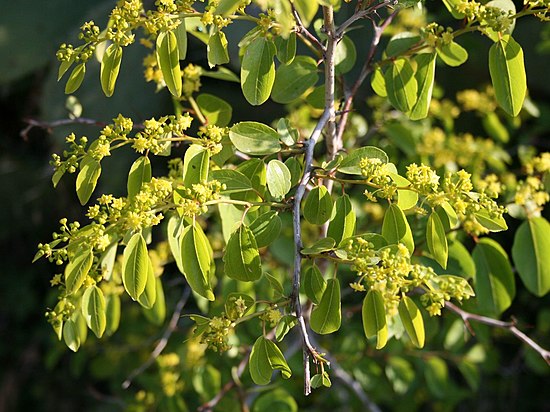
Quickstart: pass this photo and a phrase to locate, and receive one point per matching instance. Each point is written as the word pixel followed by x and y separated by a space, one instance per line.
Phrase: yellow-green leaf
pixel 112 313
pixel 254 138
pixel 217 49
pixel 197 259
pixel 241 257
pixel 157 313
pixel 169 61
pixel 406 198
pixel 342 223
pixel 453 54
pixel 147 298
pixel 318 205
pixel 258 70
pixel 378 83
pixel 286 48
pixel 217 111
pixel 77 269
pixel 278 179
pixel 396 229
pixel 507 71
pixel 425 76
pixel 436 240
pixel 411 317
pixel 266 357
pixel 135 266
pixel 93 310
pixel 140 173
pixel 86 181
pixel 266 228
pixel 110 66
pixel 327 316
pixel 181 37
pixel 294 79
pixel 76 78
pixel 374 318
pixel 70 335
pixel 314 284
pixel 401 85
pixel 196 164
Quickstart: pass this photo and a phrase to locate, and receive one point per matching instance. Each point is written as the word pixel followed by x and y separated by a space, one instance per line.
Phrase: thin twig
pixel 170 329
pixel 32 123
pixel 301 29
pixel 511 326
pixel 361 15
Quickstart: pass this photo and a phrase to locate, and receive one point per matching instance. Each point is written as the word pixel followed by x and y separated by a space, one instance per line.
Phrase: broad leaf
pixel 196 163
pixel 286 48
pixel 345 56
pixel 181 38
pixel 508 74
pixel 314 284
pixel 169 61
pixel 93 310
pixel 412 321
pixel 241 257
pixel 531 255
pixel 506 6
pixel 135 266
pixel 197 260
pixel 217 111
pixel 307 10
pixel 258 70
pixel 374 318
pixel 110 66
pixel 278 179
pixel 401 85
pixel 436 240
pixel 233 180
pixel 378 82
pixel 75 79
pixel 396 229
pixel 322 245
pixel 140 173
pixel 327 316
pixel 157 313
pixel 149 295
pixel 350 163
pixel 255 138
pixel 406 198
pixel 453 54
pixel 77 269
pixel 266 357
pixel 216 49
pixel 266 228
pixel 425 76
pixel 86 181
pixel 292 80
pixel 174 230
pixel 318 205
pixel 494 224
pixel 342 224
pixel 70 335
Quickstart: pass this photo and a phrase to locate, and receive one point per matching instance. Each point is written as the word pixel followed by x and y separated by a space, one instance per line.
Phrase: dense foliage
pixel 339 230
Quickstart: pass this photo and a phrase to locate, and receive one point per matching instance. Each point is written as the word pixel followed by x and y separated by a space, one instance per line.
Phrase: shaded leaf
pixel 401 85
pixel 135 266
pixel 110 66
pixel 318 205
pixel 396 229
pixel 327 317
pixel 217 111
pixel 197 260
pixel 342 224
pixel 350 163
pixel 86 181
pixel 314 284
pixel 374 318
pixel 93 310
pixel 411 317
pixel 266 228
pixel 258 70
pixel 241 257
pixel 167 53
pixel 292 80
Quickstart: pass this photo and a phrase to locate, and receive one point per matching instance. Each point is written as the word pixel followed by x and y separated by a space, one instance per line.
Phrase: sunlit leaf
pixel 327 316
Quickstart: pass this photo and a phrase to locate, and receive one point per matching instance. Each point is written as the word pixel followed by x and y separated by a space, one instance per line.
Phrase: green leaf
pixel 460 260
pixel 374 318
pixel 448 216
pixel 278 179
pixel 401 85
pixel 320 246
pixel 494 280
pixel 314 284
pixel 266 228
pixel 233 180
pixel 275 400
pixel 453 54
pixel 241 257
pixel 93 310
pixel 506 6
pixel 174 230
pixel 494 224
pixel 345 56
pixel 286 48
pixel 396 229
pixel 284 326
pixel 196 163
pixel 295 170
pixel 412 321
pixel 64 66
pixel 258 70
pixel 342 224
pixel 288 135
pixel 140 173
pixel 70 335
pixel 436 240
pixel 86 181
pixel 157 313
pixel 217 49
pixel 169 61
pixel 452 7
pixel 318 205
pixel 425 75
pixel 327 316
pixel 350 163
pixel 135 266
pixel 255 138
pixel 507 71
pixel 494 127
pixel 197 260
pixel 277 290
pixel 266 357
pixel 77 269
pixel 437 377
pixel 181 38
pixel 401 43
pixel 234 310
pixel 531 257
pixel 307 10
pixel 378 83
pixel 112 313
pixel 227 7
pixel 217 111
pixel 147 298
pixel 221 73
pixel 110 66
pixel 406 199
pixel 292 80
pixel 76 78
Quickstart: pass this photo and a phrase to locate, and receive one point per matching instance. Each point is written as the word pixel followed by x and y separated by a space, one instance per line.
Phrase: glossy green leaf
pixel 326 317
pixel 295 168
pixel 314 284
pixel 507 6
pixel 320 246
pixel 494 279
pixel 157 314
pixel 292 80
pixel 135 266
pixel 216 49
pixel 437 240
pixel 318 205
pixel 196 163
pixel 110 66
pixel 70 335
pixel 258 70
pixel 174 230
pixel 345 56
pixel 93 310
pixel 275 400
pixel 284 326
pixel 112 313
pixel 227 7
pixel 406 199
pixel 286 48
pixel 288 135
pixel 401 42
pixel 77 269
pixel 277 179
pixel 255 138
pixel 241 257
pixel 147 298
pixel 342 224
pixel 396 229
pixel 307 10
pixel 378 83
pixel 266 357
pixel 453 54
pixel 447 215
pixel 75 79
pixel 86 181
pixel 233 180
pixel 181 39
pixel 531 255
pixel 401 85
pixel 350 163
pixel 217 111
pixel 374 318
pixel 494 224
pixel 266 228
pixel 169 61
pixel 411 317
pixel 140 173
pixel 425 76
pixel 197 260
pixel 508 76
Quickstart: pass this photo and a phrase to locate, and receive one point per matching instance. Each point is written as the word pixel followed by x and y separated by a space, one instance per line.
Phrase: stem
pixel 511 326
pixel 197 110
pixel 333 145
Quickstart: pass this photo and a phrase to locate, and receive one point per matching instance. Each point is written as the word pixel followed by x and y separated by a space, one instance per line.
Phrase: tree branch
pixel 511 326
pixel 301 29
pixel 172 325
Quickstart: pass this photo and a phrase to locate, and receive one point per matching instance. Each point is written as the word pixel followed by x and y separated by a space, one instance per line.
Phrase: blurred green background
pixel 37 373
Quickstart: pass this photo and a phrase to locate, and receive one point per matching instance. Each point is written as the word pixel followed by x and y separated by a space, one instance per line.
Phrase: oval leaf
pixel 318 205
pixel 93 310
pixel 255 138
pixel 396 229
pixel 292 80
pixel 169 61
pixel 342 224
pixel 75 79
pixel 401 85
pixel 258 70
pixel 135 266
pixel 112 314
pixel 266 357
pixel 286 48
pixel 425 76
pixel 110 66
pixel 196 163
pixel 140 173
pixel 266 228
pixel 436 240
pixel 412 321
pixel 350 163
pixel 86 181
pixel 314 284
pixel 77 269
pixel 217 111
pixel 327 317
pixel 196 256
pixel 217 49
pixel 157 313
pixel 453 54
pixel 278 179
pixel 241 257
pixel 147 298
pixel 374 318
